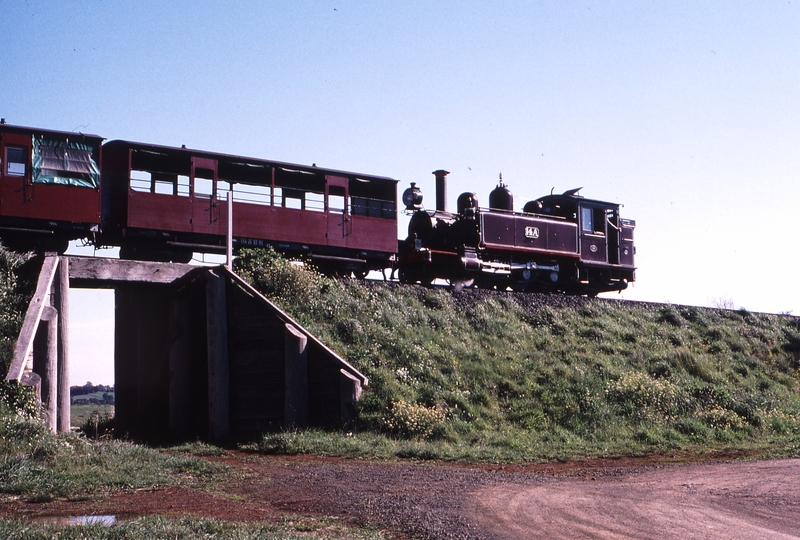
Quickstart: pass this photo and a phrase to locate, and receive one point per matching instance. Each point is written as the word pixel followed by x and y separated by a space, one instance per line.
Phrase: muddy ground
pixel 632 498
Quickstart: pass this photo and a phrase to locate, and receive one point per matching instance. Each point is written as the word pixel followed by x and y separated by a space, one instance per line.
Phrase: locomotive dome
pixel 501 197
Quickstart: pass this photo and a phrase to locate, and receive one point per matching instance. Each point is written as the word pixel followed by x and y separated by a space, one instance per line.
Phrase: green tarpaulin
pixel 64 162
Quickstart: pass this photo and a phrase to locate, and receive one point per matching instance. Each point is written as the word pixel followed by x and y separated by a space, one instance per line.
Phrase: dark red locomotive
pixel 561 243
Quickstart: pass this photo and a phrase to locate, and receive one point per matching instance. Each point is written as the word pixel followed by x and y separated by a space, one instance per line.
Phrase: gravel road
pixel 628 498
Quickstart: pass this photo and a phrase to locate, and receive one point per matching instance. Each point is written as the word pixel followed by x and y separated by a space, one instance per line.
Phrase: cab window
pixel 593 220
pixel 587 223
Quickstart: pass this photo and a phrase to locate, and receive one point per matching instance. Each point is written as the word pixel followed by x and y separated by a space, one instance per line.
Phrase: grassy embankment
pixel 473 377
pixel 37 466
pixel 504 377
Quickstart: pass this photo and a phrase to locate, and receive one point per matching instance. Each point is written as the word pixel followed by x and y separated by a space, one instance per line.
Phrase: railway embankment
pixel 476 376
pixel 498 376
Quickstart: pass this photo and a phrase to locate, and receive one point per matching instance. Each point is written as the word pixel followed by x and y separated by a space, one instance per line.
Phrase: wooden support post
pixel 126 357
pixel 349 395
pixel 61 301
pixel 45 361
pixel 295 412
pixel 229 236
pixel 180 406
pixel 218 370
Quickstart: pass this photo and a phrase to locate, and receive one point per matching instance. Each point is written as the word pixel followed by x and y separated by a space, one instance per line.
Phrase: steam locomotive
pixel 563 243
pixel 165 203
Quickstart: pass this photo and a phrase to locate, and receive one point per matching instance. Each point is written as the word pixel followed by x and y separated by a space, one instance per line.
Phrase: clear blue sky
pixel 688 113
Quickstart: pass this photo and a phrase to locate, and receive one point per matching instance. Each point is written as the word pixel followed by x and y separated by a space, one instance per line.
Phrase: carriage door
pixel 15 175
pixel 337 197
pixel 205 207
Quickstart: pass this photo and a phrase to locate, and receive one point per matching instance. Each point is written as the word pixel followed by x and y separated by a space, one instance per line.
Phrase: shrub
pixel 720 418
pixel 638 393
pixel 14 297
pixel 412 420
pixel 98 425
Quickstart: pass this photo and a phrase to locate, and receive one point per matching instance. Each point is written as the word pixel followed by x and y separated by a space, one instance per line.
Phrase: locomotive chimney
pixel 441 189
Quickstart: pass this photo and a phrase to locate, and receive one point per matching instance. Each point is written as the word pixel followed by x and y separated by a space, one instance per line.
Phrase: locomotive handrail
pixel 525 214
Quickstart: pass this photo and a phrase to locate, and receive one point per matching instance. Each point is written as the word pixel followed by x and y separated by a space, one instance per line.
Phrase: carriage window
pixel 336 200
pixel 294 198
pixel 165 183
pixel 203 187
pixel 64 162
pixel 223 188
pixel 203 182
pixel 315 201
pixel 141 181
pixel 593 220
pixel 183 185
pixel 252 193
pixel 16 160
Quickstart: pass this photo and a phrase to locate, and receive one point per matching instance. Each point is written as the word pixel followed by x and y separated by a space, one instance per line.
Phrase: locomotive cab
pixel 599 225
pixel 605 240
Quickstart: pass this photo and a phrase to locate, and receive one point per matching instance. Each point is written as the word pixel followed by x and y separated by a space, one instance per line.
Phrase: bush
pixel 15 294
pixel 412 420
pixel 637 393
pixel 98 426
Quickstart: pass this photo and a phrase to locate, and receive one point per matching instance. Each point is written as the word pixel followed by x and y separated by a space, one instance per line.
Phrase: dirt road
pixel 599 499
pixel 739 500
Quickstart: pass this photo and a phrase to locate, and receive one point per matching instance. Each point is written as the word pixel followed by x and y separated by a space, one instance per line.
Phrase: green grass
pixel 80 414
pixel 514 378
pixel 296 528
pixel 40 466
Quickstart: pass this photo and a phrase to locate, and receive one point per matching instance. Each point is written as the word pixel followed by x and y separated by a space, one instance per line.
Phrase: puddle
pixel 107 520
pixel 93 520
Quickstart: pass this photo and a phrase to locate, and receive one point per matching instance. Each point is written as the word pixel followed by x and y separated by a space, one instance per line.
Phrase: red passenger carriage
pixel 49 187
pixel 164 203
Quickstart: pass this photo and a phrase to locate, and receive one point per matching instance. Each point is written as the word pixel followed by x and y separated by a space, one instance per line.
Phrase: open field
pixel 80 414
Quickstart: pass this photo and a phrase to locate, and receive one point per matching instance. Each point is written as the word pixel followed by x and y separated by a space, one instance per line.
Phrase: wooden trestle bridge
pixel 198 353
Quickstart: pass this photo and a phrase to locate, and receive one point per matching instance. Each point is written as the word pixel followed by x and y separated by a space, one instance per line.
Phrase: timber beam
pixel 94 272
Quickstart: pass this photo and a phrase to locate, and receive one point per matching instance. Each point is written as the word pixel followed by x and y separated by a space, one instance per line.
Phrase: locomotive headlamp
pixel 412 197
